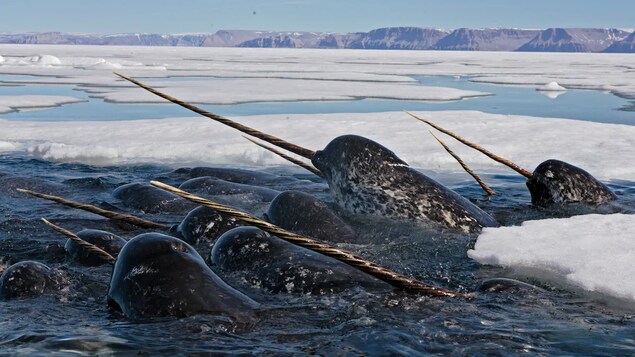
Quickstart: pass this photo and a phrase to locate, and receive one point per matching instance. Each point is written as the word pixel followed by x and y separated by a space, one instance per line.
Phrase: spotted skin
pixel 109 242
pixel 210 186
pixel 367 178
pixel 205 224
pixel 304 214
pixel 29 279
pixel 161 276
pixel 150 199
pixel 270 263
pixel 558 182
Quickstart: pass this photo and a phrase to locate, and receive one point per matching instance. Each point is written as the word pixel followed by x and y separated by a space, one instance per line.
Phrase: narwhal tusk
pixel 286 157
pixel 245 129
pixel 91 247
pixel 480 181
pixel 395 279
pixel 136 221
pixel 488 153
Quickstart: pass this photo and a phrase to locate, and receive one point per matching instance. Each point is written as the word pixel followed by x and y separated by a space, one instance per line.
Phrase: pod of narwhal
pixel 153 262
pixel 319 261
pixel 367 178
pixel 552 182
pixel 154 275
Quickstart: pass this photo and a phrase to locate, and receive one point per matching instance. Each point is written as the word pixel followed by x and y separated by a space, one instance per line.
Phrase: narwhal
pixel 552 182
pixel 369 179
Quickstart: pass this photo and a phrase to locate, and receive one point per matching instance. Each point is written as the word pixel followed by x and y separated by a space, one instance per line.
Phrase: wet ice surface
pixel 556 320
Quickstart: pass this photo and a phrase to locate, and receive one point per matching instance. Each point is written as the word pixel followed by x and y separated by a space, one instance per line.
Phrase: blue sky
pixel 178 16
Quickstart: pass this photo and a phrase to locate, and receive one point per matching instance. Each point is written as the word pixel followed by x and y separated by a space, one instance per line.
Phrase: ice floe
pixel 551 87
pixel 571 70
pixel 11 103
pixel 592 252
pixel 233 91
pixel 604 150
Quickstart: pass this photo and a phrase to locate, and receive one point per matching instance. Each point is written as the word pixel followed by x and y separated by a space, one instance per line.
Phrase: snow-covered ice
pixel 179 141
pixel 10 103
pixel 46 60
pixel 81 64
pixel 233 91
pixel 551 87
pixel 593 252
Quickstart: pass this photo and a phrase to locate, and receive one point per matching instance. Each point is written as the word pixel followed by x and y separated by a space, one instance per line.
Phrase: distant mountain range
pixel 390 38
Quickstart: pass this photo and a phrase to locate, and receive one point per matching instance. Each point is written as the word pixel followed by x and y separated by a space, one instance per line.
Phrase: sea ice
pixel 551 87
pixel 571 70
pixel 232 91
pixel 183 141
pixel 46 60
pixel 9 103
pixel 593 252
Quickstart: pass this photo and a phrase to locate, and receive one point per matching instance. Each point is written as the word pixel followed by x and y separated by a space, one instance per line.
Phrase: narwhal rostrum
pixel 552 182
pixel 367 178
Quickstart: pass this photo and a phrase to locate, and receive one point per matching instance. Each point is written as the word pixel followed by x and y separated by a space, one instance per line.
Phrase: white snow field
pixel 10 103
pixel 184 141
pixel 593 252
pixel 92 65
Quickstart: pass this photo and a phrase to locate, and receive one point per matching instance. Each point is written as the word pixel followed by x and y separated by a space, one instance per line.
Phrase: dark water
pixel 573 104
pixel 553 321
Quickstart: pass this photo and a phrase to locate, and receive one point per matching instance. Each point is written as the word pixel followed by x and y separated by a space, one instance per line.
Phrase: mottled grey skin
pixel 367 178
pixel 28 279
pixel 150 199
pixel 109 242
pixel 205 224
pixel 247 177
pixel 253 256
pixel 158 275
pixel 304 214
pixel 557 182
pixel 211 186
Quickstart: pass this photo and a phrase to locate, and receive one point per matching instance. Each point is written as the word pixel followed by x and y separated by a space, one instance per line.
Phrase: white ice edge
pixel 604 150
pixel 593 252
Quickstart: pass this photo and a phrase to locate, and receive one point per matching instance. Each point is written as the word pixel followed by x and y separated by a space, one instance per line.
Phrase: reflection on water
pixel 513 100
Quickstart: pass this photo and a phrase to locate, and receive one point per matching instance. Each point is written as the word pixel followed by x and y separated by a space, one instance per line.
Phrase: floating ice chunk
pixel 46 60
pixel 1 59
pixel 551 87
pixel 103 64
pixel 594 252
pixel 180 141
